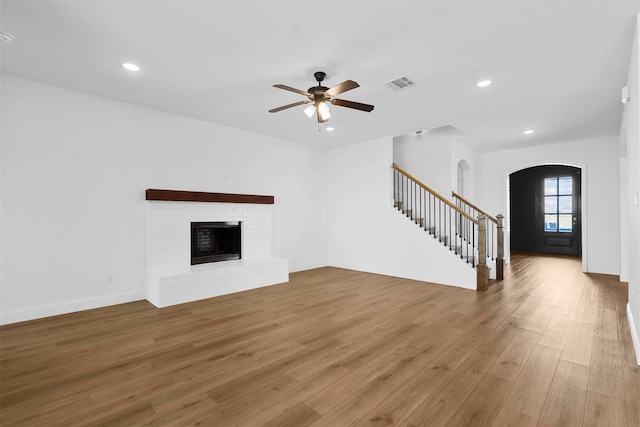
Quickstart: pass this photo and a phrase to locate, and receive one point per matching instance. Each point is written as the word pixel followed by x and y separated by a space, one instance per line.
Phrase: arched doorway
pixel 545 210
pixel 463 170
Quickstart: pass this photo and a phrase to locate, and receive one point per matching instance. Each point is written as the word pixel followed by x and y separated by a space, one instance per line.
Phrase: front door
pixel 559 212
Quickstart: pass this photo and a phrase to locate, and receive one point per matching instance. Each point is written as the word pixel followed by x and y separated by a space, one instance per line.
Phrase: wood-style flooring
pixel 548 346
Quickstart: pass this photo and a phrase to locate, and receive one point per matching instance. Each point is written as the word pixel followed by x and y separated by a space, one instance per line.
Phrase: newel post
pixel 500 257
pixel 482 269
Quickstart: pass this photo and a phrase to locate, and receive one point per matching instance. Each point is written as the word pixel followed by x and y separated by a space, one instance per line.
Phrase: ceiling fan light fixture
pixel 310 110
pixel 321 97
pixel 323 110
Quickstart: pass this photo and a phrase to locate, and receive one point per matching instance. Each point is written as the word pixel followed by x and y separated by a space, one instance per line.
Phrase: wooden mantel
pixel 200 196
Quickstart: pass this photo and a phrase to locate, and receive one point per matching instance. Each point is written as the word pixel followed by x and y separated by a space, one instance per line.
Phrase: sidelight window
pixel 558 204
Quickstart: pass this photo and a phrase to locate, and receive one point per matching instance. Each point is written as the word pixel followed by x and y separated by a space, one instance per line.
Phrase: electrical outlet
pixel 110 278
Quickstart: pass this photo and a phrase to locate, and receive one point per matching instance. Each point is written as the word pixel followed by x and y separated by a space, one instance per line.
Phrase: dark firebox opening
pixel 215 241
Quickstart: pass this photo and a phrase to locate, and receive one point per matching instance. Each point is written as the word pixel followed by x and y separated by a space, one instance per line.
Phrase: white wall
pixel 74 170
pixel 433 159
pixel 367 233
pixel 630 153
pixel 428 158
pixel 600 183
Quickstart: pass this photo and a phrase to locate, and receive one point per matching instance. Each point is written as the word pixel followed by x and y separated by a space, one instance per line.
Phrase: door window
pixel 558 204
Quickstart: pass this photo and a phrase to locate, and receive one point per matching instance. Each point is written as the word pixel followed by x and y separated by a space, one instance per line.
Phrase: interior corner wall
pixel 630 203
pixel 428 158
pixel 600 161
pixel 367 233
pixel 74 168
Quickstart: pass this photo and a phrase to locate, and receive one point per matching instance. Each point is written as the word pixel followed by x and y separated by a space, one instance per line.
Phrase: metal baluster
pixel 401 177
pixel 421 214
pixel 423 205
pixel 411 190
pixel 450 238
pixel 410 193
pixel 466 246
pixel 482 270
pixel 413 201
pixel 440 220
pixel 405 202
pixel 458 218
pixel 430 213
pixel 415 209
pixel 473 232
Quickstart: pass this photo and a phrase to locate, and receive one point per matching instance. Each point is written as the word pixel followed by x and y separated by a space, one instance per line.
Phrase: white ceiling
pixel 557 66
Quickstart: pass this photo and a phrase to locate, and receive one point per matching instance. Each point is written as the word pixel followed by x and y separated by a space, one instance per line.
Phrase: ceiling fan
pixel 321 96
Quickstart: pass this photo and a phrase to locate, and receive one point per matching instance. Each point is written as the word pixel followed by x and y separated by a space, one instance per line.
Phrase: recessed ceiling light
pixel 131 67
pixel 330 129
pixel 528 131
pixel 483 83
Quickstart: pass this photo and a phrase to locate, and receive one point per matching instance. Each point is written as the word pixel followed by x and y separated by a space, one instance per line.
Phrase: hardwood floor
pixel 548 346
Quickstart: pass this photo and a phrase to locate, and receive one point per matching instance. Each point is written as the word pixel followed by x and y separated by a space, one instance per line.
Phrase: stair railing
pixel 494 232
pixel 442 219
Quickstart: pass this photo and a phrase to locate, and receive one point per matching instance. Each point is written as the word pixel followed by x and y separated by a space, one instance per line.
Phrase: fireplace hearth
pixel 215 241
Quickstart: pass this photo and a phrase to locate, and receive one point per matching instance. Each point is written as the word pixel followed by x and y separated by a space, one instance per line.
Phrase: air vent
pixel 400 83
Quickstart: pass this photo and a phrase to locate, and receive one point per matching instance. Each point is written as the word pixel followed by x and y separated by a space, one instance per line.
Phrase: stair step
pixel 470 259
pixel 432 231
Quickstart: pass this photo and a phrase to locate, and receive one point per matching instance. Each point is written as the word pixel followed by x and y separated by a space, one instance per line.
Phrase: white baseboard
pixel 634 334
pixel 307 266
pixel 468 282
pixel 601 269
pixel 38 312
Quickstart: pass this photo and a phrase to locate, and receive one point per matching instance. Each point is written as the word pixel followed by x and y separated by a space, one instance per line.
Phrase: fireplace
pixel 173 278
pixel 215 241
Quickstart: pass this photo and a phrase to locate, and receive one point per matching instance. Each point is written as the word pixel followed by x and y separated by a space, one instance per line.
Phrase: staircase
pixel 494 232
pixel 454 226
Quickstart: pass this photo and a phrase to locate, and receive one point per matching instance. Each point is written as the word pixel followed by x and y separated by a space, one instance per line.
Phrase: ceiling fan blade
pixel 319 116
pixel 351 104
pixel 292 89
pixel 284 107
pixel 342 87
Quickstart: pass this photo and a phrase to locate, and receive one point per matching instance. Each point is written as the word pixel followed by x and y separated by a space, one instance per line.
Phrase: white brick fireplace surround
pixel 169 276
